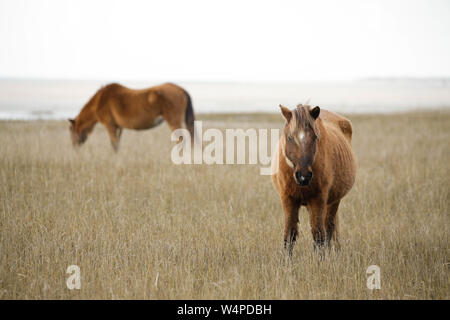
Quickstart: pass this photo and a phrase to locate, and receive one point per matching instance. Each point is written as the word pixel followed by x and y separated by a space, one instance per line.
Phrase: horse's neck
pixel 322 143
pixel 87 118
pixel 323 136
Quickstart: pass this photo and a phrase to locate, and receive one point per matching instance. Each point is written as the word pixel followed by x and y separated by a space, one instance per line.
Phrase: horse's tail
pixel 189 115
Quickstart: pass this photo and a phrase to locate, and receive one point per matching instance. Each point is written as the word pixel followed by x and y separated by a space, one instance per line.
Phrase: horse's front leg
pixel 331 224
pixel 317 212
pixel 114 135
pixel 290 208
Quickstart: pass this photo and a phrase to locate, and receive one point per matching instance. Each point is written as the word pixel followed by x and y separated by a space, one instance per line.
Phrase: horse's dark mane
pixel 87 111
pixel 91 100
pixel 100 91
pixel 303 118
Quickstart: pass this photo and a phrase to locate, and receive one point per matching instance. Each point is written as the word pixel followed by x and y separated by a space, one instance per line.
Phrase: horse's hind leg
pixel 174 123
pixel 331 223
pixel 290 208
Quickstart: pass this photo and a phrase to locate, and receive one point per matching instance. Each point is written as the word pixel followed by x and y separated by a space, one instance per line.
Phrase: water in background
pixel 59 99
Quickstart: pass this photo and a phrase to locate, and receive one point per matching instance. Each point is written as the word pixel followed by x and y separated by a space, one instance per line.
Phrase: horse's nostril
pixel 301 179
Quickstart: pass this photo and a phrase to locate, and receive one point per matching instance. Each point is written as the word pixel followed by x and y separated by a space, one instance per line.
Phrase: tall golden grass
pixel 139 226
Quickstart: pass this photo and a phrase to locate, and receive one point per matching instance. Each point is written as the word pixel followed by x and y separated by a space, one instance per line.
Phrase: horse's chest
pixel 302 194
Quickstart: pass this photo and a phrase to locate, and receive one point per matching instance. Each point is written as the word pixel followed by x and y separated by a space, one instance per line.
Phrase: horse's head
pixel 299 141
pixel 78 136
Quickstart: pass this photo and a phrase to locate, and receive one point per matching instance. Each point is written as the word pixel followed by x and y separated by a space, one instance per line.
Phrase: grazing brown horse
pixel 316 169
pixel 118 107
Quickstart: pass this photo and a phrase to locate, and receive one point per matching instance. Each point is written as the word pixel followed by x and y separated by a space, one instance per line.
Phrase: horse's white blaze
pixel 301 135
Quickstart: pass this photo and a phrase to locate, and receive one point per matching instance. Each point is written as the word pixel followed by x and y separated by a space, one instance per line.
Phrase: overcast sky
pixel 280 41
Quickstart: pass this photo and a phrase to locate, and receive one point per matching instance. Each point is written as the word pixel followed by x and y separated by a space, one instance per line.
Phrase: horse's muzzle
pixel 303 180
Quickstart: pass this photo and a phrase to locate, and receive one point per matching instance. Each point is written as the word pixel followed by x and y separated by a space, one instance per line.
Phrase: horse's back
pixel 338 121
pixel 168 97
pixel 170 91
pixel 141 108
pixel 342 159
pixel 116 91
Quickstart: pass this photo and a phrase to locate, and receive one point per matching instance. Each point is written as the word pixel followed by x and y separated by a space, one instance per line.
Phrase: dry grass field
pixel 139 226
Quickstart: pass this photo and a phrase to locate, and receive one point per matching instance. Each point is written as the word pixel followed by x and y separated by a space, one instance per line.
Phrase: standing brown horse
pixel 118 107
pixel 316 169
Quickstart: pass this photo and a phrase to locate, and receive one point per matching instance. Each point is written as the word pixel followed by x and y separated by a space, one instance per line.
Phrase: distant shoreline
pixel 31 99
pixel 356 80
pixel 248 116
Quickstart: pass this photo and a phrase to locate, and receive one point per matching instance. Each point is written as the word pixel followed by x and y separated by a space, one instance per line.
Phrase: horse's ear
pixel 287 114
pixel 314 112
